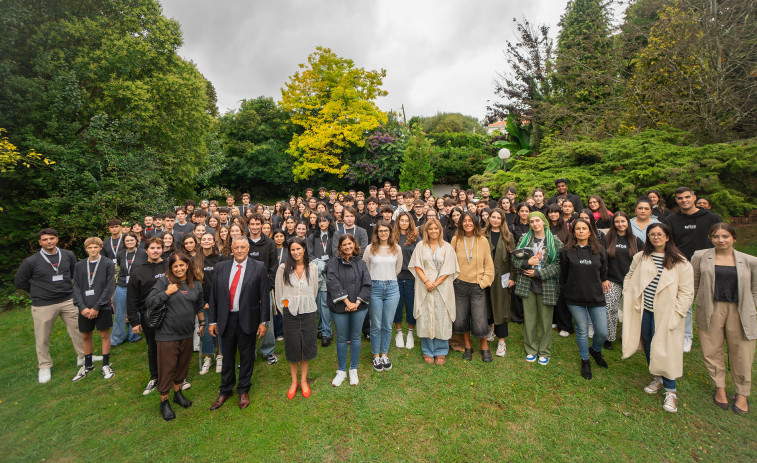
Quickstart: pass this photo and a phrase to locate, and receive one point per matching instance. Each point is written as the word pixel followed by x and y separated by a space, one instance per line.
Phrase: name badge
pixel 115 261
pixel 127 279
pixel 89 292
pixel 57 277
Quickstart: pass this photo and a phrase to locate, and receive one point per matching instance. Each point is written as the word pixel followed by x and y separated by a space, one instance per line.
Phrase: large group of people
pixel 215 279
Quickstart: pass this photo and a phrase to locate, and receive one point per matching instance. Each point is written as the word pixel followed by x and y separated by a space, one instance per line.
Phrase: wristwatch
pixel 265 324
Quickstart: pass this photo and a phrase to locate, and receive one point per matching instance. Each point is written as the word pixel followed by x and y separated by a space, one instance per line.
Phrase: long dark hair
pixel 604 213
pixel 291 264
pixel 451 223
pixel 197 260
pixel 460 233
pixel 612 236
pixel 190 273
pixel 504 230
pixel 660 200
pixel 672 255
pixel 412 232
pixel 592 221
pixel 594 243
pixel 561 229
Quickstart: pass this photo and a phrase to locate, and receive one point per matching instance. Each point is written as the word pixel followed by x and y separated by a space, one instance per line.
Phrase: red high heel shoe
pixel 291 394
pixel 305 393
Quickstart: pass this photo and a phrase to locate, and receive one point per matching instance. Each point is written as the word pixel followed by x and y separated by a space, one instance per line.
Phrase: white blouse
pixel 300 293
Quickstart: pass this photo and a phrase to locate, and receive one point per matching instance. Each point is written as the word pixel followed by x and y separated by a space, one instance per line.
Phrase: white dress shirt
pixel 234 268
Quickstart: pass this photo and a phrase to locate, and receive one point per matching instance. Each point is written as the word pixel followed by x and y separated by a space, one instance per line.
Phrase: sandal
pixel 428 359
pixel 441 359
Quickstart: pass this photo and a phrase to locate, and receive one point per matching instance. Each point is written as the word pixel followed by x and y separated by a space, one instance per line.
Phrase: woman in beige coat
pixel 657 293
pixel 726 284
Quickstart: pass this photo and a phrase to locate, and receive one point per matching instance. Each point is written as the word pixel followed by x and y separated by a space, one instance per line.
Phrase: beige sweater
pixel 480 269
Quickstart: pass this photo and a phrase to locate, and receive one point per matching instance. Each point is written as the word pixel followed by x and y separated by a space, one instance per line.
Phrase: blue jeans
pixel 349 326
pixel 647 333
pixel 434 347
pixel 384 297
pixel 407 299
pixel 324 315
pixel 581 315
pixel 120 333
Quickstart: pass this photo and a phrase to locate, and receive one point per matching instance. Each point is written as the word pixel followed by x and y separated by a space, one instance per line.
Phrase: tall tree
pixel 416 163
pixel 584 96
pixel 333 102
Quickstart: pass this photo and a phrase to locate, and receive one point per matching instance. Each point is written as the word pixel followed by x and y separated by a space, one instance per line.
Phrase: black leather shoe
pixel 486 355
pixel 319 335
pixel 325 342
pixel 598 358
pixel 586 369
pixel 468 354
pixel 179 398
pixel 166 411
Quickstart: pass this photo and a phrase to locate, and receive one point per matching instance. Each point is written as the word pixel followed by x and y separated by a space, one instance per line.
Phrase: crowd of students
pixel 450 265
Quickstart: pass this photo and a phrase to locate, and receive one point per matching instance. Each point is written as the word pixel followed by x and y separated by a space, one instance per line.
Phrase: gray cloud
pixel 439 56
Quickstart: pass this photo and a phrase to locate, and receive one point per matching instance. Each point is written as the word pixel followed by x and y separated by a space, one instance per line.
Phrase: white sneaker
pixel 353 377
pixel 564 333
pixel 206 365
pixel 554 325
pixel 501 348
pixel 490 336
pixel 151 385
pixel 671 402
pixel 80 374
pixel 655 386
pixel 44 375
pixel 108 372
pixel 95 358
pixel 687 344
pixel 398 341
pixel 410 342
pixel 219 363
pixel 186 385
pixel 339 378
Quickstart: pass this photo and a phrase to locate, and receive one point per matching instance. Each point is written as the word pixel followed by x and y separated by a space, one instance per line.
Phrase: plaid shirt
pixel 550 285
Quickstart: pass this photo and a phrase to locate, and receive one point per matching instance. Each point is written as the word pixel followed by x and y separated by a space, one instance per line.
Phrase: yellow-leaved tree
pixel 333 101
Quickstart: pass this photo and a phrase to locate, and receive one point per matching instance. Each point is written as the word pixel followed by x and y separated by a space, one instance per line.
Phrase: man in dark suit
pixel 239 310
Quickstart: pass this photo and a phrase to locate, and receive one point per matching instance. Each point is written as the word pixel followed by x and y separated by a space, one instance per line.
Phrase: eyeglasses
pixel 657 235
pixel 383 231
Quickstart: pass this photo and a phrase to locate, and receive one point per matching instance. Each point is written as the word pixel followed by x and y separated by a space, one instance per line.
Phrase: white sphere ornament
pixel 504 153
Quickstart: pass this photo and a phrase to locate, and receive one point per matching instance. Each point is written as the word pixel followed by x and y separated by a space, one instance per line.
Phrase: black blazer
pixel 254 298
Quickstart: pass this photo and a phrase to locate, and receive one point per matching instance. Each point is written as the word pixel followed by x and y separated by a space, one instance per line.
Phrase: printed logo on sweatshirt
pixel 159 275
pixel 254 253
pixel 621 246
pixel 585 261
pixel 690 227
pixel 209 269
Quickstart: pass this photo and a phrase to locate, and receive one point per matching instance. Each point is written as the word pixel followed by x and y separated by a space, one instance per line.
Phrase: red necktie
pixel 233 289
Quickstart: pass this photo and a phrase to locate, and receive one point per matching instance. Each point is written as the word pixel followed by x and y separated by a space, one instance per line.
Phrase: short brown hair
pixel 154 239
pixel 93 240
pixel 342 238
pixel 722 226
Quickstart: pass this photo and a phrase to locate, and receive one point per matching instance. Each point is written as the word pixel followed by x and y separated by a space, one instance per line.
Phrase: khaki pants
pixel 44 319
pixel 537 315
pixel 726 324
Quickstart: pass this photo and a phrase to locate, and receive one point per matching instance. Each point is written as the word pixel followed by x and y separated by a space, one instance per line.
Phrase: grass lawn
pixel 506 410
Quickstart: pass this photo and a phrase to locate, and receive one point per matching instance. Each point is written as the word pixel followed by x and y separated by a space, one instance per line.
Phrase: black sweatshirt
pixel 265 251
pixel 109 244
pixel 181 308
pixel 368 222
pixel 35 275
pixel 142 279
pixel 690 230
pixel 581 275
pixel 208 269
pixel 128 261
pixel 102 288
pixel 617 267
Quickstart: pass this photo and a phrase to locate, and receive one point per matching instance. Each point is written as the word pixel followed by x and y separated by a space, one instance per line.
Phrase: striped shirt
pixel 651 289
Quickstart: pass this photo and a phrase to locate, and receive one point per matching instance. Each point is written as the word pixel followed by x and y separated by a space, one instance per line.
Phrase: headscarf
pixel 549 238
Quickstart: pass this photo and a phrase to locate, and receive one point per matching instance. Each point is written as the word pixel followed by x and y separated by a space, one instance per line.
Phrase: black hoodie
pixel 618 266
pixel 581 275
pixel 264 251
pixel 141 281
pixel 690 231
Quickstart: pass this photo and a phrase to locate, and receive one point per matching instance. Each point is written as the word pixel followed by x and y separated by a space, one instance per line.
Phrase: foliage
pixel 526 84
pixel 519 144
pixel 381 160
pixel 697 71
pixel 416 162
pixel 333 102
pixel 457 156
pixel 447 122
pixel 11 157
pixel 621 169
pixel 253 141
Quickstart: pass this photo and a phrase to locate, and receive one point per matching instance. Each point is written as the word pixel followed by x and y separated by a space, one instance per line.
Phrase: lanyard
pixel 60 259
pixel 324 243
pixel 129 265
pixel 118 244
pixel 91 275
pixel 281 254
pixel 469 255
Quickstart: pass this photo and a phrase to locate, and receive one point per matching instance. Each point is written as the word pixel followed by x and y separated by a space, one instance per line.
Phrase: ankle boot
pixel 586 369
pixel 598 358
pixel 166 411
pixel 179 398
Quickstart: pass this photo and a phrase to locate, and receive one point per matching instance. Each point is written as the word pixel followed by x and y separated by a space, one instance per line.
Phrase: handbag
pixel 156 315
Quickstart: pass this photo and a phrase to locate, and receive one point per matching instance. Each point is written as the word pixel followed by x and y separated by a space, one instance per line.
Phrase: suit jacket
pixel 254 298
pixel 703 262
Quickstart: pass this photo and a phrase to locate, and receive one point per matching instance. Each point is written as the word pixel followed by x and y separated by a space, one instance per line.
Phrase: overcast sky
pixel 439 55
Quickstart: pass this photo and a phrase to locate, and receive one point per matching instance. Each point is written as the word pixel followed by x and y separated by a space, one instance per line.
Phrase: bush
pixel 456 157
pixel 621 169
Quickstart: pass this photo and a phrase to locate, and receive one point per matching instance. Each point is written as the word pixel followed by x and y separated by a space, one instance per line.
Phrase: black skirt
pixel 300 342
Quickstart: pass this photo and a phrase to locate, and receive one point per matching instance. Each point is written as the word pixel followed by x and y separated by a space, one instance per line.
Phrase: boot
pixel 166 411
pixel 179 398
pixel 586 369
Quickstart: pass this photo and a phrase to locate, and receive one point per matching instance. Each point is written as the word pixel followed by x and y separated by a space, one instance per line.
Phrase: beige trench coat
pixel 675 292
pixel 434 311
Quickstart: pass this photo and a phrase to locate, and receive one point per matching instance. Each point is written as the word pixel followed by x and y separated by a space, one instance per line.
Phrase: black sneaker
pixel 486 355
pixel 319 335
pixel 272 359
pixel 325 342
pixel 468 354
pixel 386 362
pixel 378 365
pixel 598 358
pixel 586 369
